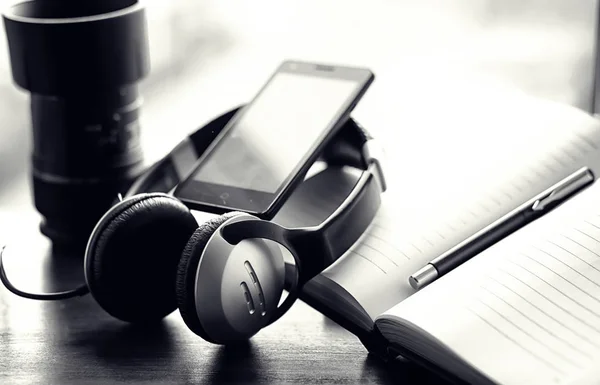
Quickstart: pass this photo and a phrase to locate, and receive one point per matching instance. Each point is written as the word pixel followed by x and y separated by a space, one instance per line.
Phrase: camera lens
pixel 81 61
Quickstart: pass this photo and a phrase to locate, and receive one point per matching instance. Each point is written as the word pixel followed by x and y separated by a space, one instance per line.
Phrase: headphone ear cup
pixel 227 292
pixel 186 272
pixel 132 256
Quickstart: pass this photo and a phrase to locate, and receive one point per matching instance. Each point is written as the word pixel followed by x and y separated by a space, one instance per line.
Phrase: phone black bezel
pixel 202 196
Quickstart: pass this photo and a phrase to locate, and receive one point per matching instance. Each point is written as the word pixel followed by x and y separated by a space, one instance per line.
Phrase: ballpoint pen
pixel 502 227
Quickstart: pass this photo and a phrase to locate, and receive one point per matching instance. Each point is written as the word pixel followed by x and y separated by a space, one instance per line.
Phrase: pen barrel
pixel 446 263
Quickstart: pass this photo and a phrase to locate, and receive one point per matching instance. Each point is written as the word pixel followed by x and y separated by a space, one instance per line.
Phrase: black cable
pixel 80 291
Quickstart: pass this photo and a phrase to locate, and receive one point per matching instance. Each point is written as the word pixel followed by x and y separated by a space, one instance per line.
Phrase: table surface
pixel 437 65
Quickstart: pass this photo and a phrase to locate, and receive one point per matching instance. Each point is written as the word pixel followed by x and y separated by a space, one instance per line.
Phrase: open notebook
pixel 367 291
pixel 524 311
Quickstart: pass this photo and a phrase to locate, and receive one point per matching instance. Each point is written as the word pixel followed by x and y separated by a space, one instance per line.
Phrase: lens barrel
pixel 81 61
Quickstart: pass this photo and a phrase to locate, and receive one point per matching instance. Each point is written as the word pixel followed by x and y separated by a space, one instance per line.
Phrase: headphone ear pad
pixel 186 272
pixel 132 257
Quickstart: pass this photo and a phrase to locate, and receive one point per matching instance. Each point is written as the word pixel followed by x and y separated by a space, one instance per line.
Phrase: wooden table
pixel 437 65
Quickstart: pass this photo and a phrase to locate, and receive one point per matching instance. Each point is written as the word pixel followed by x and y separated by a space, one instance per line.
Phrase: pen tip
pixel 423 277
pixel 413 282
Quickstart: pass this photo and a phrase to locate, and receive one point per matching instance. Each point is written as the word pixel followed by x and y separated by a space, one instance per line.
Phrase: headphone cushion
pixel 186 272
pixel 132 264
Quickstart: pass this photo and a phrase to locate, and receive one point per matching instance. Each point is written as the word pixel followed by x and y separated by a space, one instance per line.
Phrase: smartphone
pixel 267 147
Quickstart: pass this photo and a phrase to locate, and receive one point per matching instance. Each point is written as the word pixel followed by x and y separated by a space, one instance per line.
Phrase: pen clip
pixel 564 189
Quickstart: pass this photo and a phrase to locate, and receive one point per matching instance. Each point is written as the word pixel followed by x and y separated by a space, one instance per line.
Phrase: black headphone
pixel 148 256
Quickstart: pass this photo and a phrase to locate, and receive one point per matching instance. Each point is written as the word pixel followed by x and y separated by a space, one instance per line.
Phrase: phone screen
pixel 266 144
pixel 270 139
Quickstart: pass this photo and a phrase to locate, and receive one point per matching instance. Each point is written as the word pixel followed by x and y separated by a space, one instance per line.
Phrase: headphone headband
pixel 326 241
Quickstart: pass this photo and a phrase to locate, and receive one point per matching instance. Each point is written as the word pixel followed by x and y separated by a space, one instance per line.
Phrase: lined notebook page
pixel 450 189
pixel 526 310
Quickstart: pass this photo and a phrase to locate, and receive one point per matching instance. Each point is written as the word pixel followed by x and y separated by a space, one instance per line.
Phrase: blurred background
pixel 208 56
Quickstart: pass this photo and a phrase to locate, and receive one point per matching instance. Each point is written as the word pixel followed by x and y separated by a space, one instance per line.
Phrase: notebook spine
pixel 399 355
pixel 378 346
